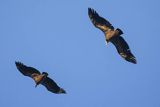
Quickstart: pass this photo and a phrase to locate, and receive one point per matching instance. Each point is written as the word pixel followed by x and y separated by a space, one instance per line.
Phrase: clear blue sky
pixel 57 36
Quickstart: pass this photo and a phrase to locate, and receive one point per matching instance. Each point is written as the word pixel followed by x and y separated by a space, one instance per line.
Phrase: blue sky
pixel 57 36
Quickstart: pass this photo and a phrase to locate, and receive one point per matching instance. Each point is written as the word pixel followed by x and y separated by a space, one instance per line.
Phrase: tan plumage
pixel 112 35
pixel 39 78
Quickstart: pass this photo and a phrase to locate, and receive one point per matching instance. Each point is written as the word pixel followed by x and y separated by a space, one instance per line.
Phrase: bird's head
pixel 119 31
pixel 45 73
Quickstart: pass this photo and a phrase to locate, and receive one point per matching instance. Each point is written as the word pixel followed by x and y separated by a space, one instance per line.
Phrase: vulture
pixel 112 35
pixel 40 78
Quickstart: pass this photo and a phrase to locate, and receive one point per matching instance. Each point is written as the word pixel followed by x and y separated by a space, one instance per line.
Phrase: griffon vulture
pixel 112 35
pixel 40 78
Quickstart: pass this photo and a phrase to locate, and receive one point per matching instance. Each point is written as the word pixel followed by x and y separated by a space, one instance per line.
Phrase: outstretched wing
pixel 51 85
pixel 99 21
pixel 123 48
pixel 25 70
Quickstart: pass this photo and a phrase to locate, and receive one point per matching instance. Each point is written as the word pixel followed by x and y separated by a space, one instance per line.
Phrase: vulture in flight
pixel 112 35
pixel 40 78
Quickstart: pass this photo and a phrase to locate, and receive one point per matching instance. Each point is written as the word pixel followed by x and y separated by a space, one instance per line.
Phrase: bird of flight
pixel 112 35
pixel 40 78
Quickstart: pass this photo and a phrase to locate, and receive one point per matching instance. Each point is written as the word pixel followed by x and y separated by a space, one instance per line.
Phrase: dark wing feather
pixel 27 71
pixel 123 48
pixel 99 21
pixel 51 85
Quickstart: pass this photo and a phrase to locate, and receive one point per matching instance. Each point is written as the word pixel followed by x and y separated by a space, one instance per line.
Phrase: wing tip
pixel 18 63
pixel 89 9
pixel 132 60
pixel 129 57
pixel 91 12
pixel 63 91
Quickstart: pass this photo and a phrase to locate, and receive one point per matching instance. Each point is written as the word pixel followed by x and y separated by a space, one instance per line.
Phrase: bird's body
pixel 39 78
pixel 112 35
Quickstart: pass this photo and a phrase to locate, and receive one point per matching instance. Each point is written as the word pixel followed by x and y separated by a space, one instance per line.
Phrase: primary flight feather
pixel 112 35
